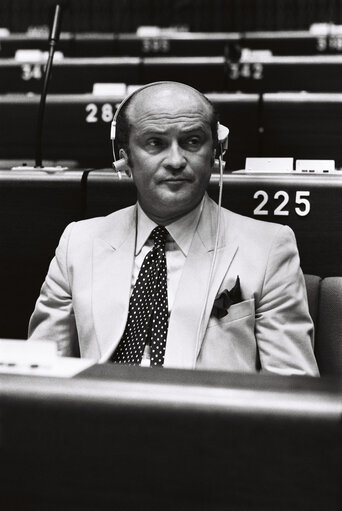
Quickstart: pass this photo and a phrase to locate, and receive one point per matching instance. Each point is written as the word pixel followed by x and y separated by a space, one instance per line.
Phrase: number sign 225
pixel 302 202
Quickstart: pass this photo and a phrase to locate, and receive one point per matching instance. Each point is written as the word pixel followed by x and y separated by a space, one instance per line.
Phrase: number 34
pixel 301 199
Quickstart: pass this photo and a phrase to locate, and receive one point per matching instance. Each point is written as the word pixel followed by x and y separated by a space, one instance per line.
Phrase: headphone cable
pixel 213 262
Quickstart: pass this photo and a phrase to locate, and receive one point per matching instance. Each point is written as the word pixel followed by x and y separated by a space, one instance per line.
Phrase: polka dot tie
pixel 148 309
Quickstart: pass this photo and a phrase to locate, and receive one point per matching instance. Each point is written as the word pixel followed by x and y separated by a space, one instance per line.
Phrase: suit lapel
pixel 184 334
pixel 113 258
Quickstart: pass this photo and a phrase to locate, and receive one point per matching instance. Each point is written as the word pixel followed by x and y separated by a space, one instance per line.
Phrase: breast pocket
pixel 236 312
pixel 229 343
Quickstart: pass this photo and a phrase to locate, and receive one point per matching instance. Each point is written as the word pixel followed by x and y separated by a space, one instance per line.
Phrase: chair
pixel 325 306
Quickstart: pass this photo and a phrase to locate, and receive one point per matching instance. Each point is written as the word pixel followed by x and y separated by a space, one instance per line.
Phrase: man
pixel 245 311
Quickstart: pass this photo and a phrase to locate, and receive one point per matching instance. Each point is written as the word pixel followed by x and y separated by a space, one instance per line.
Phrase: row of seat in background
pixel 260 123
pixel 148 41
pixel 299 125
pixel 251 73
pixel 36 206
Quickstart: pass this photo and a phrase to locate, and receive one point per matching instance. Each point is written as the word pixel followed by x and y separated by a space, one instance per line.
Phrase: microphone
pixel 53 39
pixel 56 25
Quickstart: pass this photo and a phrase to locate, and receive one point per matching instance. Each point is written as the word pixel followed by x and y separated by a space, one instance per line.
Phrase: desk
pixel 208 74
pixel 77 126
pixel 200 44
pixel 294 42
pixel 77 75
pixel 297 124
pixel 36 207
pixel 318 73
pixel 302 125
pixel 206 440
pixel 311 205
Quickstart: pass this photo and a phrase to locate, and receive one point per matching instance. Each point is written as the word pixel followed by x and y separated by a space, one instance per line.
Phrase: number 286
pixel 302 203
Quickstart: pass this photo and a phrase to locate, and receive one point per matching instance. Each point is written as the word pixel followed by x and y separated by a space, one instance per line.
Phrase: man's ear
pixel 125 165
pixel 212 161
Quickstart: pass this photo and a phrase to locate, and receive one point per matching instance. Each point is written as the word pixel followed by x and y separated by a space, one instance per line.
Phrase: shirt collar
pixel 182 230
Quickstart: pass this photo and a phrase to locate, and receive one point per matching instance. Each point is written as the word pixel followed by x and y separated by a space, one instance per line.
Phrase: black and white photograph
pixel 171 255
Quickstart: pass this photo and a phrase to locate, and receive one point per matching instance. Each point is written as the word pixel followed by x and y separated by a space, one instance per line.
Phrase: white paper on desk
pixel 63 367
pixel 269 164
pixel 38 358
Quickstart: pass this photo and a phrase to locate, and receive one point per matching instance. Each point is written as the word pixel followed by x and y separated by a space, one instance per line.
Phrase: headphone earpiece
pixel 222 139
pixel 121 165
pixel 222 146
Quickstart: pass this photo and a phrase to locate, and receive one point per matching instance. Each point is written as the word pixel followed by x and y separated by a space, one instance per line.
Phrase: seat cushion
pixel 313 289
pixel 328 346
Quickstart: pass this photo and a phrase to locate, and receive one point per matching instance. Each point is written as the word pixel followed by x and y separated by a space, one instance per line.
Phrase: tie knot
pixel 159 235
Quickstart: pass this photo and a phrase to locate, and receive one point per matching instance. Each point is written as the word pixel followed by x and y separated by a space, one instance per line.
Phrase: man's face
pixel 171 151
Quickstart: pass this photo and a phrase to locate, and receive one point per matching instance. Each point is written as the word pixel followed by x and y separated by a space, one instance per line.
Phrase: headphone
pixel 120 163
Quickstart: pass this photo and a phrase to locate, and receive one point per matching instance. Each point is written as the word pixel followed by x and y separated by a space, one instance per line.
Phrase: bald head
pixel 167 99
pixel 170 96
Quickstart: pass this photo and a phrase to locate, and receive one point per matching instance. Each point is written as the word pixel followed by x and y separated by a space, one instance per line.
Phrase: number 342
pixel 302 202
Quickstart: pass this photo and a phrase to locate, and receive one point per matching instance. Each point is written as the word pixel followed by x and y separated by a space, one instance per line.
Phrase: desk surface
pixel 206 441
pixel 115 385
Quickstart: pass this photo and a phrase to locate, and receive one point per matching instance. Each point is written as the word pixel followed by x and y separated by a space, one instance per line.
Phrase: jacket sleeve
pixel 53 317
pixel 284 329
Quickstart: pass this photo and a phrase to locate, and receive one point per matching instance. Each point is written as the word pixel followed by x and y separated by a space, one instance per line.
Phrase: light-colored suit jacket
pixel 84 300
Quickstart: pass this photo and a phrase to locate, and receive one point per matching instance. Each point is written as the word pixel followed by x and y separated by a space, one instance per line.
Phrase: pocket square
pixel 225 299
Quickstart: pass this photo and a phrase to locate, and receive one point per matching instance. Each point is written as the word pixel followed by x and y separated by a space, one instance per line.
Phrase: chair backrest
pixel 325 305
